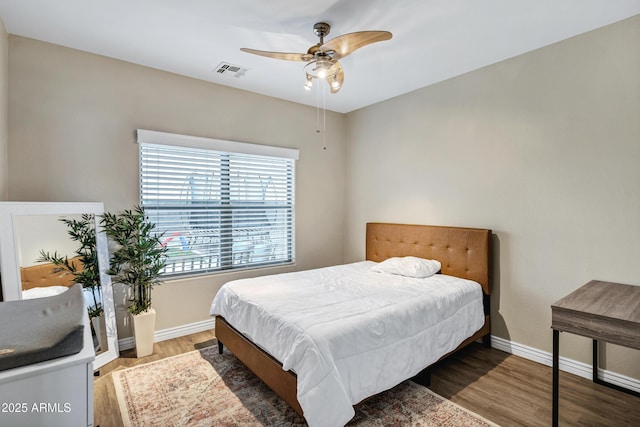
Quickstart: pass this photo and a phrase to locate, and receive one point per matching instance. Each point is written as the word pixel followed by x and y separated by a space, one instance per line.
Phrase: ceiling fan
pixel 322 58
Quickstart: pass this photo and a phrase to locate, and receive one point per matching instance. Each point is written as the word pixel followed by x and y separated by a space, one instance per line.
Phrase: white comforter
pixel 349 333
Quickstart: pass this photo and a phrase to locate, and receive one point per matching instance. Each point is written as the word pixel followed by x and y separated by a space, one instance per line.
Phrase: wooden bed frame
pixel 463 252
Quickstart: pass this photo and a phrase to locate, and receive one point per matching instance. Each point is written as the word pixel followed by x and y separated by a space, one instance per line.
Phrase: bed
pixel 297 355
pixel 42 280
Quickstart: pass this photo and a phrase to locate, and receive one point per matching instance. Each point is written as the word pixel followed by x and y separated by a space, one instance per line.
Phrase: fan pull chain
pixel 317 110
pixel 324 115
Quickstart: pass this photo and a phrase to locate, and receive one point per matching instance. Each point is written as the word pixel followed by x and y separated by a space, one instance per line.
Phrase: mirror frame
pixel 10 268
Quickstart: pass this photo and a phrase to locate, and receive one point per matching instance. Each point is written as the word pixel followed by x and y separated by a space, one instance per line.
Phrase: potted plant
pixel 84 267
pixel 137 259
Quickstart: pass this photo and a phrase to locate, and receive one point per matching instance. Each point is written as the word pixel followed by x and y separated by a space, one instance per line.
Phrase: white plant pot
pixel 144 327
pixel 99 329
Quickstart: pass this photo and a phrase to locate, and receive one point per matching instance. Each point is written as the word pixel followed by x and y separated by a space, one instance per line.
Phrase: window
pixel 220 205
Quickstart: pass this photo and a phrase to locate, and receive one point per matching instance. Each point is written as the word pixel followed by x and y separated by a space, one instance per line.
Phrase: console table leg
pixel 595 361
pixel 598 380
pixel 556 374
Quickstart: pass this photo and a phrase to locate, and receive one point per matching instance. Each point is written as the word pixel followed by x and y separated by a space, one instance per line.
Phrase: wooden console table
pixel 602 311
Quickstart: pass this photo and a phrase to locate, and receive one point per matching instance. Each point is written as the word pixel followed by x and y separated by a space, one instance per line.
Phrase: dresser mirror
pixel 46 247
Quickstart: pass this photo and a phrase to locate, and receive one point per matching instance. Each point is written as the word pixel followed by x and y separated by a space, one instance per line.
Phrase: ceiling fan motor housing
pixel 321 29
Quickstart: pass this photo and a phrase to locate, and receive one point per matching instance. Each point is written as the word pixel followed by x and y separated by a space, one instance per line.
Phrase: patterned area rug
pixel 204 388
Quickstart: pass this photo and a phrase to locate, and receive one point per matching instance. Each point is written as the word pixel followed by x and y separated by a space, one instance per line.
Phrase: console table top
pixel 601 310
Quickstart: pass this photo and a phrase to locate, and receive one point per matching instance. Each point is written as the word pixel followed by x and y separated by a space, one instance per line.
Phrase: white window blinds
pixel 218 210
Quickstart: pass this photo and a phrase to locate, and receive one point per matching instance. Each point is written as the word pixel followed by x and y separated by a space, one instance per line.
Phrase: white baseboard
pixel 167 334
pixel 567 365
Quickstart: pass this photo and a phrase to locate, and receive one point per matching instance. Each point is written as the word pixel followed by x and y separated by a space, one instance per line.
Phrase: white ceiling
pixel 433 40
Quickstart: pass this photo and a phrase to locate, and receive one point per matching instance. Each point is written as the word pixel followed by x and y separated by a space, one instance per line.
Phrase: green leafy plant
pixel 86 271
pixel 139 256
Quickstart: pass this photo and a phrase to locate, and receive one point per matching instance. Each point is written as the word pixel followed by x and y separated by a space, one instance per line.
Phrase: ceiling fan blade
pixel 348 43
pixel 280 55
pixel 339 79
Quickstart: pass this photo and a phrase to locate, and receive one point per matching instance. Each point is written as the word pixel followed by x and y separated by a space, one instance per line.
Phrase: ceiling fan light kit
pixel 324 69
pixel 322 58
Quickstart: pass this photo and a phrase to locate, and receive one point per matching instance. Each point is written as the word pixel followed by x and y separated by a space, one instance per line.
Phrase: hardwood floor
pixel 506 389
pixel 512 391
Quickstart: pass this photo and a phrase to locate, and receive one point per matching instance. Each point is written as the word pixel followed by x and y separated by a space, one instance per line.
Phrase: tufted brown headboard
pixel 42 275
pixel 463 252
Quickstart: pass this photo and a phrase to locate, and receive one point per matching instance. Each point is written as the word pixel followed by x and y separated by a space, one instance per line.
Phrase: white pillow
pixel 409 266
pixel 45 291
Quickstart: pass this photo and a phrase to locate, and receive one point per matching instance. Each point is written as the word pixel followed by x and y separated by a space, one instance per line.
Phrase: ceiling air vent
pixel 224 68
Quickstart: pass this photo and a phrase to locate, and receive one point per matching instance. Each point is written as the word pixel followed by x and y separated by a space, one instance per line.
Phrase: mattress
pixel 43 291
pixel 348 332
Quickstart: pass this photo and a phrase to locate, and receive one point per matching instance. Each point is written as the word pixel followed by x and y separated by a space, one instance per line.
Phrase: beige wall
pixel 72 122
pixel 543 148
pixel 4 108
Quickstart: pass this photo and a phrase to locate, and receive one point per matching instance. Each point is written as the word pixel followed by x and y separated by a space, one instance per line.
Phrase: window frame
pixel 226 149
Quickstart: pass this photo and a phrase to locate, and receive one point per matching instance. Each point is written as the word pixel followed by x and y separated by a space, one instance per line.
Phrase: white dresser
pixel 53 393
